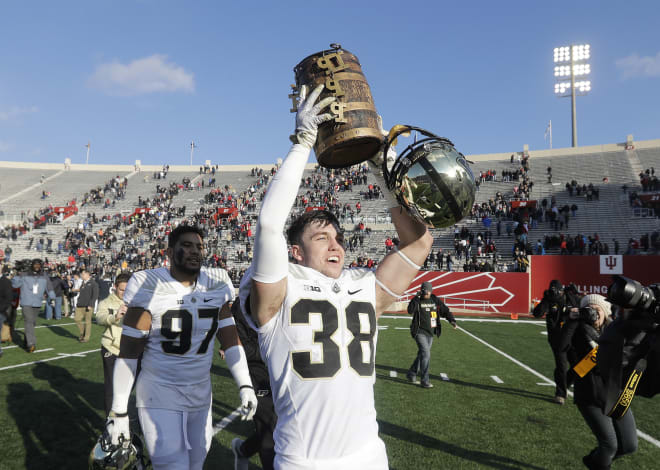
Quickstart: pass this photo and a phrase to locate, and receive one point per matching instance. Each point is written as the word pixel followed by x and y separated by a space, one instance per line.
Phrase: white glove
pixel 116 427
pixel 248 403
pixel 308 117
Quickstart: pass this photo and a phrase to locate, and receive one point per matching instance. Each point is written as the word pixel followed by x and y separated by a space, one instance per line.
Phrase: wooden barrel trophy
pixel 355 134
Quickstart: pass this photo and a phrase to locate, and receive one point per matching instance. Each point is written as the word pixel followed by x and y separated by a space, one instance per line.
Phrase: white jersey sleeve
pixel 141 286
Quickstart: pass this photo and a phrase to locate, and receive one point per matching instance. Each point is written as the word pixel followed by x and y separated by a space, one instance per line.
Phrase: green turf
pixel 53 411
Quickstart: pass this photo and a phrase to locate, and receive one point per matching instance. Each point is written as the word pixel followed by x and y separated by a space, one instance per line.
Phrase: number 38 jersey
pixel 175 367
pixel 320 349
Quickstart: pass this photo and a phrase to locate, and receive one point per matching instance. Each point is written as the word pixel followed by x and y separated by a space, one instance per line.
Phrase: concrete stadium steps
pixel 649 158
pixel 63 188
pixel 14 180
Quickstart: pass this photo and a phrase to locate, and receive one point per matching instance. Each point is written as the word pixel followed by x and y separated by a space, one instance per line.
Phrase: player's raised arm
pixel 270 262
pixel 395 273
pixel 237 361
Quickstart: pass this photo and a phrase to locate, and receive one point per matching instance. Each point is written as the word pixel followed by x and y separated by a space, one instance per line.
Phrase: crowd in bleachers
pixel 114 189
pixel 648 180
pixel 114 242
pixel 590 191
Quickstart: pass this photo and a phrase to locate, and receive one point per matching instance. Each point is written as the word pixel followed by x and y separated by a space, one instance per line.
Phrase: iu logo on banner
pixel 611 264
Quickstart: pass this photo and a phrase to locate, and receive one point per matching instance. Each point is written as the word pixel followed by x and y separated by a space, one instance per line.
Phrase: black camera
pixel 21 265
pixel 628 293
pixel 588 315
pixel 629 348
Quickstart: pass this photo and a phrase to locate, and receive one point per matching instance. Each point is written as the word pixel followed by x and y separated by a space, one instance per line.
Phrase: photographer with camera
pixel 580 334
pixel 426 310
pixel 556 304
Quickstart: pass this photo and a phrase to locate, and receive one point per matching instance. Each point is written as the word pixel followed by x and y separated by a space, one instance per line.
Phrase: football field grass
pixel 491 406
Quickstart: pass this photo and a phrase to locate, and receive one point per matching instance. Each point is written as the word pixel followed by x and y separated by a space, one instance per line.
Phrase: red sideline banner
pixel 591 274
pixel 488 292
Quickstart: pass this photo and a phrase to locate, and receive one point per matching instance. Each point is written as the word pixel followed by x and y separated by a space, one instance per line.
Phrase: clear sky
pixel 140 79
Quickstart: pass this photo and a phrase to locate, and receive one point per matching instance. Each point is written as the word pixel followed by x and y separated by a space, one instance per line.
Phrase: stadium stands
pixel 607 168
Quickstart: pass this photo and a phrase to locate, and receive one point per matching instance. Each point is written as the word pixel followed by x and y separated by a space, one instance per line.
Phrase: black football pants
pixel 108 372
pixel 564 378
pixel 261 440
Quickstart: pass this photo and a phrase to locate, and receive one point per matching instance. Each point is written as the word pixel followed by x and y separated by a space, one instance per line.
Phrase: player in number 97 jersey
pixel 172 320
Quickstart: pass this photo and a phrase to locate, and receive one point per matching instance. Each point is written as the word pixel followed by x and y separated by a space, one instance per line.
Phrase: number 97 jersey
pixel 179 351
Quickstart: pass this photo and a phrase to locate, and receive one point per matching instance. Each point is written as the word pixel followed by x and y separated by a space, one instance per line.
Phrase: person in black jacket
pixel 60 288
pixel 6 297
pixel 616 437
pixel 265 419
pixel 89 295
pixel 556 305
pixel 426 310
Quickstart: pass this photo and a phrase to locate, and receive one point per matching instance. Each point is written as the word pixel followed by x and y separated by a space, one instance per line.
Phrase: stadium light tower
pixel 193 146
pixel 571 62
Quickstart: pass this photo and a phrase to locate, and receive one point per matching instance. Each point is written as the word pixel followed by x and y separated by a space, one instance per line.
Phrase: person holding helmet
pixel 33 285
pixel 426 310
pixel 297 309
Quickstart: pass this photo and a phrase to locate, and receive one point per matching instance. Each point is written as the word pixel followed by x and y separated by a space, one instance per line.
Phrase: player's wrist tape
pixel 237 363
pixel 226 322
pixel 133 342
pixel 406 259
pixel 134 332
pixel 386 289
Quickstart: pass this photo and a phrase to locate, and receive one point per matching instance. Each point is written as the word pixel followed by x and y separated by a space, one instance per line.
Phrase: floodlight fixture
pixel 570 63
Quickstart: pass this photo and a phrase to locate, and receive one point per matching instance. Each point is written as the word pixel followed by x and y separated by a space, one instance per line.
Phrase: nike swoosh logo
pixel 208 300
pixel 354 292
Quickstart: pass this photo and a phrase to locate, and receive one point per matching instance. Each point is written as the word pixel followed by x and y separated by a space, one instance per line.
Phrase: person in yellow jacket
pixel 110 314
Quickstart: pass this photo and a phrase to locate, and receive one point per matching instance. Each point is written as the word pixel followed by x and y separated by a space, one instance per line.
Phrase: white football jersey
pixel 320 349
pixel 175 367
